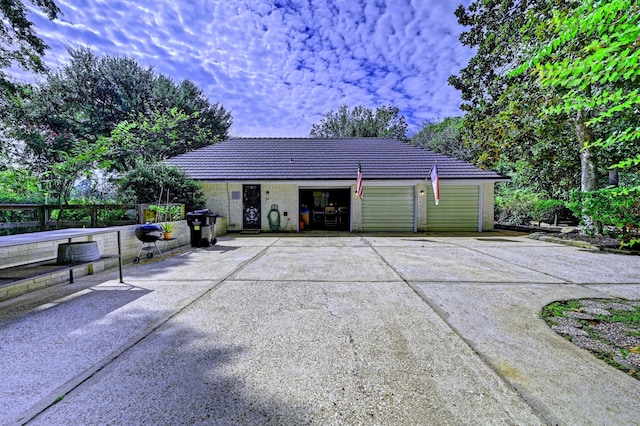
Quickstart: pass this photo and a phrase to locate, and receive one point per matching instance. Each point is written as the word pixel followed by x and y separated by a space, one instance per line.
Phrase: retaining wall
pixel 107 244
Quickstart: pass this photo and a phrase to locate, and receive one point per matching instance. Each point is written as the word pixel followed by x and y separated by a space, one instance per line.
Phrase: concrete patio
pixel 357 329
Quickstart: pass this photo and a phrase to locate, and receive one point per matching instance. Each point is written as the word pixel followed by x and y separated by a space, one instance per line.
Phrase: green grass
pixel 630 318
pixel 560 309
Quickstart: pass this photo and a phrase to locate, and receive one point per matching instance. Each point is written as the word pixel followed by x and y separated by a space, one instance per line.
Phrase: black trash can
pixel 201 224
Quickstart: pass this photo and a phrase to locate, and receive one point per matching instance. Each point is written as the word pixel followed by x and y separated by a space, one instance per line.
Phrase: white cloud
pixel 280 65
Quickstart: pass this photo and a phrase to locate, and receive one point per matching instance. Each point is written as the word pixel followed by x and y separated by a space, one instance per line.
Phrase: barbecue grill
pixel 149 234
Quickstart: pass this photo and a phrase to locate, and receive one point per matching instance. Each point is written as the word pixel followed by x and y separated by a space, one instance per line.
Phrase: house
pixel 289 184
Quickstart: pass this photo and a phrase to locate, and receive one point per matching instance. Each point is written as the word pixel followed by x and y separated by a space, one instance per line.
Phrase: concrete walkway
pixel 320 330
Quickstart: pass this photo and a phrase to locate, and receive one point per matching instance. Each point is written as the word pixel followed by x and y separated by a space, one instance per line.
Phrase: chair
pixel 330 217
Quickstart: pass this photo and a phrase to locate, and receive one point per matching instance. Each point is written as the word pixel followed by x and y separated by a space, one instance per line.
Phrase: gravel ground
pixel 596 325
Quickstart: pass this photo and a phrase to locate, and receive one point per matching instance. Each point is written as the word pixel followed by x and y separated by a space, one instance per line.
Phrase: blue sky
pixel 280 65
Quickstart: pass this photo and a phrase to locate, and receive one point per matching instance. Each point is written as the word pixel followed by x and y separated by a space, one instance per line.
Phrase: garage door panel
pixel 388 209
pixel 457 211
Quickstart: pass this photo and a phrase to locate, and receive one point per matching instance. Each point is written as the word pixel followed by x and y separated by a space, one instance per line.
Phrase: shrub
pixel 549 211
pixel 70 214
pixel 617 208
pixel 515 206
pixel 148 181
pixel 521 206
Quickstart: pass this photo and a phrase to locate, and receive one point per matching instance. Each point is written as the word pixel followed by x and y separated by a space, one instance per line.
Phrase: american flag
pixel 435 183
pixel 359 184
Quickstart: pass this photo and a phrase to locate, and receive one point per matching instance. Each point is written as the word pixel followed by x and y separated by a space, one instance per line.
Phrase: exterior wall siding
pixel 457 211
pixel 226 200
pixel 356 210
pixel 219 199
pixel 286 197
pixel 488 207
pixel 421 206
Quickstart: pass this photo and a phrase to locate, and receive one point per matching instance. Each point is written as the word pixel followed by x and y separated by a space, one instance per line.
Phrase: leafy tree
pixel 59 159
pixel 19 44
pixel 19 185
pixel 572 103
pixel 150 139
pixel 191 100
pixel 508 117
pixel 593 59
pixel 91 96
pixel 106 111
pixel 494 30
pixel 361 122
pixel 444 138
pixel 610 207
pixel 148 180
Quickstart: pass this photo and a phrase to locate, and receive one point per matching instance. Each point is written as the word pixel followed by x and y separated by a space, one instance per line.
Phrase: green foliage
pixel 504 122
pixel 361 122
pixel 154 138
pixel 166 212
pixel 168 227
pixel 557 122
pixel 518 206
pixel 19 185
pixel 630 318
pixel 19 44
pixel 548 211
pixel 148 181
pixel 515 206
pixel 113 101
pixel 71 214
pixel 104 113
pixel 444 138
pixel 618 208
pixel 593 59
pixel 109 215
pixel 56 160
pixel 494 30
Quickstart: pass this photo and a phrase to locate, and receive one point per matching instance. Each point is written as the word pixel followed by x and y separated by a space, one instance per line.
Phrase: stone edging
pixel 540 236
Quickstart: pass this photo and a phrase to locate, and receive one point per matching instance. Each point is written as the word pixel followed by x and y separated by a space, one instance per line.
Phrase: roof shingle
pixel 312 159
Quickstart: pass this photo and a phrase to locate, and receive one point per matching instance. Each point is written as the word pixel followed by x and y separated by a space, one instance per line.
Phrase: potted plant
pixel 168 229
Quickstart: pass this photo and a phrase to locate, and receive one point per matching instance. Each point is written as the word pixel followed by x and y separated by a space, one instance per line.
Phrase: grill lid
pixel 149 232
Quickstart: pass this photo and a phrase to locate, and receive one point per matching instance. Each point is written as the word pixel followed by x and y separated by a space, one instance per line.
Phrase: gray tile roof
pixel 312 159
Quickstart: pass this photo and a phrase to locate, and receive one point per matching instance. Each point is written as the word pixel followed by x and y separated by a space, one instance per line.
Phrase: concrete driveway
pixel 354 329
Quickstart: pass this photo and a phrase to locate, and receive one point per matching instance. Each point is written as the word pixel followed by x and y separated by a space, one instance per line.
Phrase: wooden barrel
pixel 85 251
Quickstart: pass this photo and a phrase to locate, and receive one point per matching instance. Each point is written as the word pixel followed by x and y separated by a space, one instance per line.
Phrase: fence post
pixel 42 217
pixel 94 216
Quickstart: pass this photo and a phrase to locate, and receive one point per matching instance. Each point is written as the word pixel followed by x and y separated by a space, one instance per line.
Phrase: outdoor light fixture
pixel 421 192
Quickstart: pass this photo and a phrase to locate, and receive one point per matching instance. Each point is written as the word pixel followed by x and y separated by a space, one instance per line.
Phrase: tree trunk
pixel 588 181
pixel 613 177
